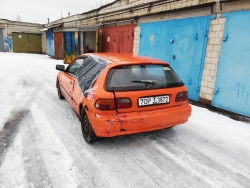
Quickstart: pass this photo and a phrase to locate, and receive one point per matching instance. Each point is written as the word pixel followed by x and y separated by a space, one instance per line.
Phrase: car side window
pixel 73 68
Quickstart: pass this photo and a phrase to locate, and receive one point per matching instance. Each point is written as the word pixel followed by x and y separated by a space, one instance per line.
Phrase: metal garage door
pixel 49 43
pixel 232 88
pixel 118 39
pixel 71 46
pixel 58 45
pixel 182 43
pixel 1 40
pixel 27 42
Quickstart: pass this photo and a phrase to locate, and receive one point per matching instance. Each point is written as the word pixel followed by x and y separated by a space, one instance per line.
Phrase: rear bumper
pixel 135 122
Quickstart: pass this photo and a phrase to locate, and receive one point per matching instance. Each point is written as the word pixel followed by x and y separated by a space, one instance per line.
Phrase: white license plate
pixel 147 101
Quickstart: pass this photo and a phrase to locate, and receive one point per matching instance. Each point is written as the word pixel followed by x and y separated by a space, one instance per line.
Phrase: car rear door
pixel 146 86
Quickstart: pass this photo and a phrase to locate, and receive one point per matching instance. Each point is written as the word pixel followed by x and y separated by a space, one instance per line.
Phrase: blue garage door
pixel 71 46
pixel 232 88
pixel 182 43
pixel 50 43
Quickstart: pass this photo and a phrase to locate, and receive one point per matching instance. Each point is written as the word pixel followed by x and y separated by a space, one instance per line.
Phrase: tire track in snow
pixel 215 158
pixel 34 166
pixel 12 172
pixel 10 128
pixel 60 166
pixel 206 174
pixel 9 132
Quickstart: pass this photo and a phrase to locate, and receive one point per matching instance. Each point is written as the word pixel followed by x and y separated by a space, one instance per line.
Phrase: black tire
pixel 87 131
pixel 59 90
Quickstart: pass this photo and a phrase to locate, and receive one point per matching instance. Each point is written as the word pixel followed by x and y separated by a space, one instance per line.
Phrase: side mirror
pixel 60 67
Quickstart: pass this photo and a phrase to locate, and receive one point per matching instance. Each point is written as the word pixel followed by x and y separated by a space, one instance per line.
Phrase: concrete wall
pixel 89 40
pixel 44 42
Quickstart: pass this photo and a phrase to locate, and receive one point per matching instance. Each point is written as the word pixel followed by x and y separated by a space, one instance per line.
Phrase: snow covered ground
pixel 41 144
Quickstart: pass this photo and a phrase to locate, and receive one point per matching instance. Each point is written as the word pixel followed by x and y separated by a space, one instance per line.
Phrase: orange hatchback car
pixel 120 94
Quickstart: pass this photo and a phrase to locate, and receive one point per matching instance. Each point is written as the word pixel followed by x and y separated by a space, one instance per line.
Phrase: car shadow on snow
pixel 137 139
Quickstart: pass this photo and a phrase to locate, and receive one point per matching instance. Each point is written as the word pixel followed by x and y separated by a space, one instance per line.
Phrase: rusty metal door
pixel 27 42
pixel 121 40
pixel 58 42
pixel 1 40
pixel 71 46
pixel 118 39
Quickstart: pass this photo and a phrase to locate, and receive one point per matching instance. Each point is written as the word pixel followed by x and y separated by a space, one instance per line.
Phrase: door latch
pixel 189 81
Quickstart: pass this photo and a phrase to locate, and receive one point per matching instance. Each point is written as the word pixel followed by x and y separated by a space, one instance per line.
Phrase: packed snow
pixel 41 144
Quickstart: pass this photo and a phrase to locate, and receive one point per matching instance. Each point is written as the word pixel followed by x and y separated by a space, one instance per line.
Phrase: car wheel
pixel 87 131
pixel 59 90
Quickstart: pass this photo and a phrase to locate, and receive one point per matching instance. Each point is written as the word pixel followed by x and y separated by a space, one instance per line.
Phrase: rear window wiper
pixel 145 82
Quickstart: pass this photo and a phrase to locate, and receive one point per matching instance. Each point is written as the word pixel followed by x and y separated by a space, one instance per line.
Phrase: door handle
pixel 173 56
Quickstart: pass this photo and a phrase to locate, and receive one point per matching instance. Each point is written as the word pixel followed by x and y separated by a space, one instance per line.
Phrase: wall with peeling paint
pixel 8 44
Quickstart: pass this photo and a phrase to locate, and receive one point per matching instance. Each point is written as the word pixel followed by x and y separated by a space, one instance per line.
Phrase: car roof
pixel 118 58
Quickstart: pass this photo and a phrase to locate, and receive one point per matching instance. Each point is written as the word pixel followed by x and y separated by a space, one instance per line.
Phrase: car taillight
pixel 105 104
pixel 181 96
pixel 109 104
pixel 123 103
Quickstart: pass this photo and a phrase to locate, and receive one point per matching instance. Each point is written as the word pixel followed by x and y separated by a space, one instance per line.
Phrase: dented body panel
pixel 136 122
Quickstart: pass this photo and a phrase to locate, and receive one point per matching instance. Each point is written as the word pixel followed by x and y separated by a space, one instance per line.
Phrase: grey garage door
pixel 1 40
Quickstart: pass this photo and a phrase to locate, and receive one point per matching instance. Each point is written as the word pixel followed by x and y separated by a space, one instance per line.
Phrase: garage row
pixel 213 63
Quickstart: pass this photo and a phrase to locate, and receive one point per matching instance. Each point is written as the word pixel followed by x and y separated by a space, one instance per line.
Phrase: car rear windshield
pixel 141 77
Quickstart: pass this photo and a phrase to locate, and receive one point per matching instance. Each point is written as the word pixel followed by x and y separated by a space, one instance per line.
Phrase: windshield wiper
pixel 145 82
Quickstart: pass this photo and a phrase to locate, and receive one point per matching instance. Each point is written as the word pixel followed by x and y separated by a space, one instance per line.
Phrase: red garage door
pixel 118 39
pixel 58 41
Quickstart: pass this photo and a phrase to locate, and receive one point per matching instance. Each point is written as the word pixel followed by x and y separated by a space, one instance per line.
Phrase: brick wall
pixel 212 59
pixel 136 40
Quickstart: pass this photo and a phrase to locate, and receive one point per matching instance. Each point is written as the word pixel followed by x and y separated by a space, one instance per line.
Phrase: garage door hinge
pixel 216 90
pixel 205 33
pixel 197 88
pixel 196 36
pixel 225 37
